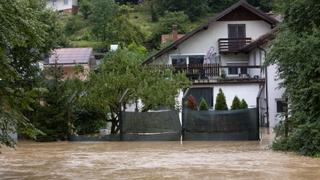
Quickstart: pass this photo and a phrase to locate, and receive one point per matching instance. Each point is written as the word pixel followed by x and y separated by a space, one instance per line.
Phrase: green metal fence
pixel 164 126
pixel 221 125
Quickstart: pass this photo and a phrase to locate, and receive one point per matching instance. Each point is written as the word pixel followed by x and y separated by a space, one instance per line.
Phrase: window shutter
pixel 232 30
pixel 241 31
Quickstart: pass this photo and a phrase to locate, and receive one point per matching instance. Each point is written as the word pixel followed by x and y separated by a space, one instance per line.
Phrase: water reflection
pixel 155 160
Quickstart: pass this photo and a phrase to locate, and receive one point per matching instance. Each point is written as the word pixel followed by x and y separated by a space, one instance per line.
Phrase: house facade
pixel 69 6
pixel 228 53
pixel 69 58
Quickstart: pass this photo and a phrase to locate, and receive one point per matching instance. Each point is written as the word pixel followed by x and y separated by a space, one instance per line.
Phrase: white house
pixel 70 6
pixel 228 52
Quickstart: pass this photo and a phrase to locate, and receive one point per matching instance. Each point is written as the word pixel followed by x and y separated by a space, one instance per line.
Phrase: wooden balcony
pixel 232 45
pixel 215 73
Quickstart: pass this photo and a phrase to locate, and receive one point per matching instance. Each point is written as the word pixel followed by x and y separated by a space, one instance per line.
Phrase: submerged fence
pixel 221 125
pixel 153 126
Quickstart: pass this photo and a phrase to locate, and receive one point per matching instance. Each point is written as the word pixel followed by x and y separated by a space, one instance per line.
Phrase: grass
pixel 82 43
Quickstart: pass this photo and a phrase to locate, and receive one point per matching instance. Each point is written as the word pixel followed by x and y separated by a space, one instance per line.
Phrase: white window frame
pixel 65 2
pixel 239 68
pixel 184 55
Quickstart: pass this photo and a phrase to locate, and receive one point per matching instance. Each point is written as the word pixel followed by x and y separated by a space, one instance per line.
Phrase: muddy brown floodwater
pixel 154 160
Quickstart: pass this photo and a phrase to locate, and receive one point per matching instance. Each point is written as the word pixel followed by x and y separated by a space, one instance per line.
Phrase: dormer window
pixel 236 31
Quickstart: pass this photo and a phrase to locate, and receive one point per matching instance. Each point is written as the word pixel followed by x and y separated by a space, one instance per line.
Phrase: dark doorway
pixel 198 93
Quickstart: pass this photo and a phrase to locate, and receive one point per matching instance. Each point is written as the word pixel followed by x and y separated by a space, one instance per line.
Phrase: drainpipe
pixel 266 84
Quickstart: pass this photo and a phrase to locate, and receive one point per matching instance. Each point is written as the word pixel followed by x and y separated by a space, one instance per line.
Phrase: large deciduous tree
pixel 27 32
pixel 122 71
pixel 296 52
pixel 103 13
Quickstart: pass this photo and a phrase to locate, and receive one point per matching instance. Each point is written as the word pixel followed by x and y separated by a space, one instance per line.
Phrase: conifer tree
pixel 243 104
pixel 203 106
pixel 236 103
pixel 221 103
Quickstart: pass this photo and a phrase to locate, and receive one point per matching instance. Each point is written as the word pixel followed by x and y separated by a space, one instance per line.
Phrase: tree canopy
pixel 122 71
pixel 27 32
pixel 296 53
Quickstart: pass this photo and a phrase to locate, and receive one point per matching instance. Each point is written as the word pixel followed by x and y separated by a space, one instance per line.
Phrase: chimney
pixel 174 32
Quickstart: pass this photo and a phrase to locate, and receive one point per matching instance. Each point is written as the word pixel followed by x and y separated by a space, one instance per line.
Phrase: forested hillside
pixel 100 23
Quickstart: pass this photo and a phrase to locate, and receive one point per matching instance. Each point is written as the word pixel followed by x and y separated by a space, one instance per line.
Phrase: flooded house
pixel 228 53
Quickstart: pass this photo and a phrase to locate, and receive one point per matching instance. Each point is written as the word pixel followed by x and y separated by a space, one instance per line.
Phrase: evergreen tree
pixel 243 104
pixel 203 106
pixel 236 103
pixel 221 103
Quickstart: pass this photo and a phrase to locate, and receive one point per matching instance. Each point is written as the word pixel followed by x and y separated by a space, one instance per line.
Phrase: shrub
pixel 73 24
pixel 203 106
pixel 243 104
pixel 192 103
pixel 89 119
pixel 221 103
pixel 236 103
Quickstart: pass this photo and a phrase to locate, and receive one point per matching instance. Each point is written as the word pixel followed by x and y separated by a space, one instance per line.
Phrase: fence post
pixel 183 114
pixel 121 115
pixel 258 120
pixel 182 119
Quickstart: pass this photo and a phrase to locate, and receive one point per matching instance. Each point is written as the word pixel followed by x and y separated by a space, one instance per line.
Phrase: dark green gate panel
pixel 153 126
pixel 221 125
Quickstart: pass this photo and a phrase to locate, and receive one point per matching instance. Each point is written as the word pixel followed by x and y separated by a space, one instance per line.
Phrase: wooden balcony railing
pixel 232 45
pixel 216 71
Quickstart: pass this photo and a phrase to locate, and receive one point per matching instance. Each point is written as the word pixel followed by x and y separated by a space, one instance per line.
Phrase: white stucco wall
pixel 202 41
pixel 274 93
pixel 248 92
pixel 59 4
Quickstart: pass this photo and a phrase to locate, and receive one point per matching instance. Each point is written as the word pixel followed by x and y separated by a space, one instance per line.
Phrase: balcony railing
pixel 232 45
pixel 218 72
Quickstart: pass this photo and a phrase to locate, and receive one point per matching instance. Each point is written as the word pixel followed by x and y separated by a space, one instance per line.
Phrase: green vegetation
pixel 296 52
pixel 121 71
pixel 236 104
pixel 27 31
pixel 203 106
pixel 221 103
pixel 243 104
pixel 109 22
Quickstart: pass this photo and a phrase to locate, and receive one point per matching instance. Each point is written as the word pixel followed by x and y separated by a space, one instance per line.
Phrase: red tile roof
pixel 71 56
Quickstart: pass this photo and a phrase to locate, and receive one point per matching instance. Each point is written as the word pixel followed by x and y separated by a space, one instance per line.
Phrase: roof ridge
pixel 205 25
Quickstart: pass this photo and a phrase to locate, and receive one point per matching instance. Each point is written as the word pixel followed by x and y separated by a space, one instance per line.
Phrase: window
pixel 196 59
pixel 179 60
pixel 233 70
pixel 236 30
pixel 66 2
pixel 281 106
pixel 237 68
pixel 243 70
